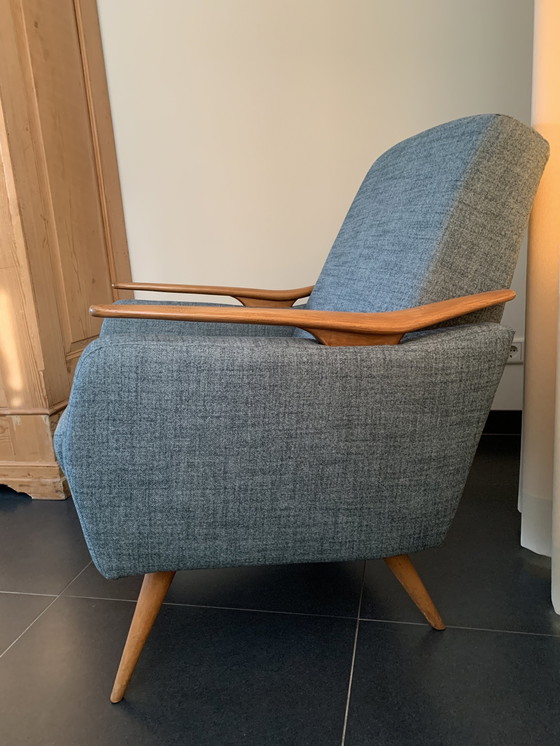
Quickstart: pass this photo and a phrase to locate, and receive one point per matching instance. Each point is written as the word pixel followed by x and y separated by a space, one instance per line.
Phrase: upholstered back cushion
pixel 438 216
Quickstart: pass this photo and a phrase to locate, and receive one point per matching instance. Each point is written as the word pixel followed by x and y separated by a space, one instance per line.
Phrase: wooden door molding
pixel 103 138
pixel 63 238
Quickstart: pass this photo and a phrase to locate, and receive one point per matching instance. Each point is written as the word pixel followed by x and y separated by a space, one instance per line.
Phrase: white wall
pixel 244 127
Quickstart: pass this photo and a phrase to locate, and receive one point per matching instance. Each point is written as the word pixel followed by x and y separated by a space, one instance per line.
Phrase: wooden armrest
pixel 246 296
pixel 333 328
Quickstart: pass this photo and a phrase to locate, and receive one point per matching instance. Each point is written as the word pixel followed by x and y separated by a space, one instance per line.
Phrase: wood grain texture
pixel 69 161
pixel 103 141
pixel 32 221
pixel 27 460
pixel 249 302
pixel 153 591
pixel 247 296
pixel 42 482
pixel 54 252
pixel 405 572
pixel 332 328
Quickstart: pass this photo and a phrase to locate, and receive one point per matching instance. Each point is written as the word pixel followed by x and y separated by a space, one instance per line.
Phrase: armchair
pixel 212 436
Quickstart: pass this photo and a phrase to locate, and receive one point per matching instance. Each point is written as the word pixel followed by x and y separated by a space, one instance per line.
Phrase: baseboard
pixel 504 422
pixel 42 481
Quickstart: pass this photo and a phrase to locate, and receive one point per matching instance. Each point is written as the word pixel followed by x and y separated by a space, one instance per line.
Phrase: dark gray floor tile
pixel 416 687
pixel 480 576
pixel 207 677
pixel 41 544
pixel 331 588
pixel 16 613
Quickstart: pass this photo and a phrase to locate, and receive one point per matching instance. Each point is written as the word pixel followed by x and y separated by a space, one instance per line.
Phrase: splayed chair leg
pixel 405 572
pixel 153 591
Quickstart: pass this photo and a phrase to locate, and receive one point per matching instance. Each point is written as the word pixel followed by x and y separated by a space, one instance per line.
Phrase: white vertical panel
pixel 540 487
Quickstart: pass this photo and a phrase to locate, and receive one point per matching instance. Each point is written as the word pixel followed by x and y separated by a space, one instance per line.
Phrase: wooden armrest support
pixel 333 328
pixel 246 296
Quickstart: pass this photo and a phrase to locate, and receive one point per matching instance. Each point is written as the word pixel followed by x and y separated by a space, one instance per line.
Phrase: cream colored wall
pixel 244 127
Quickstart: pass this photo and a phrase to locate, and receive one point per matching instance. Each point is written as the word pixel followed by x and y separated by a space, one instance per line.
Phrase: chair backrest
pixel 438 216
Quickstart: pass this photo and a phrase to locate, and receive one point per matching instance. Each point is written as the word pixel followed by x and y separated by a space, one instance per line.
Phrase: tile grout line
pixel 456 626
pixel 27 593
pixel 503 631
pixel 259 611
pixel 220 608
pixel 44 610
pixel 370 620
pixel 347 710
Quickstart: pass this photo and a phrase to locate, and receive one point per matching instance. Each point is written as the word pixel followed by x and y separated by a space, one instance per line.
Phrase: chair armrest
pixel 333 328
pixel 246 296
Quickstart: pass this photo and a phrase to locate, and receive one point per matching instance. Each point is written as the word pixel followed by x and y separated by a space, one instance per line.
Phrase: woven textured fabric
pixel 211 452
pixel 142 327
pixel 438 216
pixel 190 445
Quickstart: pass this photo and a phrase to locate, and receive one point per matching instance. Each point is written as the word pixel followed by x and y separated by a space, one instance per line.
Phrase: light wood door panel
pixel 70 161
pixel 62 233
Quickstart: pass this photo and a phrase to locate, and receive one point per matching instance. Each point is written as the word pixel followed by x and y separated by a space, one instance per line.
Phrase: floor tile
pixel 16 613
pixel 480 576
pixel 416 687
pixel 212 676
pixel 41 544
pixel 207 677
pixel 330 588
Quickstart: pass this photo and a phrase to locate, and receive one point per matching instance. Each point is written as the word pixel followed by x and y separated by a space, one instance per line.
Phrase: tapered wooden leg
pixel 405 572
pixel 152 593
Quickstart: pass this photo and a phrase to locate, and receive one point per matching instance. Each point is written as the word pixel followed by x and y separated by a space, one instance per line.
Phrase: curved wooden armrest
pixel 246 296
pixel 333 328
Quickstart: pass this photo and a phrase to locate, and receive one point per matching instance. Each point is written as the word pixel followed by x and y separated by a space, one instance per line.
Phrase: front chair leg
pixel 153 591
pixel 405 572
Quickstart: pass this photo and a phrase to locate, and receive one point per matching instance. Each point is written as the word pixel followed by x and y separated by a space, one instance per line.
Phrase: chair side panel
pixel 224 452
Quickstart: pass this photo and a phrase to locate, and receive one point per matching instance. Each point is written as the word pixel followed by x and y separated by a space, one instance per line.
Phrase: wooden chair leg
pixel 405 572
pixel 153 591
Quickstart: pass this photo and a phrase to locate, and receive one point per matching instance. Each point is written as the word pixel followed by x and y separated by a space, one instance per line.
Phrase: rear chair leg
pixel 153 591
pixel 405 572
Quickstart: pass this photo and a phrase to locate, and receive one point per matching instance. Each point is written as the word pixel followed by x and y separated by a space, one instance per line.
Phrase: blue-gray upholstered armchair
pixel 211 436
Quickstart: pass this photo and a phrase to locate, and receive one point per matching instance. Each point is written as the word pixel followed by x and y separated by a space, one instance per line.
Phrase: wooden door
pixel 62 233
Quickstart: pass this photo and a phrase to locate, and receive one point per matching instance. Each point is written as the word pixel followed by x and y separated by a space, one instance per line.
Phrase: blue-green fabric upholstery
pixel 208 445
pixel 438 216
pixel 209 452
